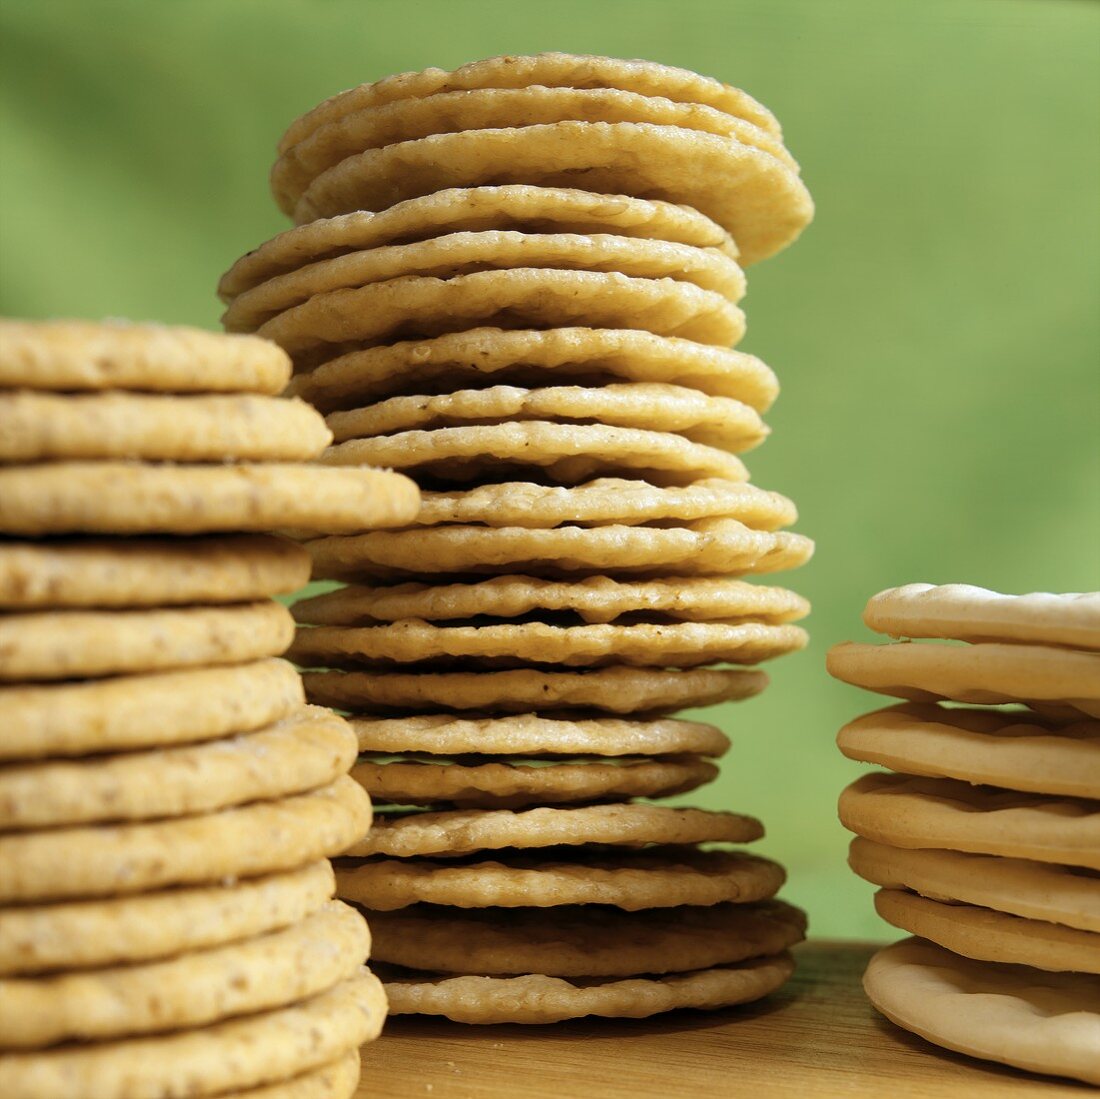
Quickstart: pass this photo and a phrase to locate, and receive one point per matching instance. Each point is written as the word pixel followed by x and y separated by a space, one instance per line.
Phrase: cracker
pixel 759 199
pixel 69 644
pixel 121 930
pixel 107 860
pixel 902 811
pixel 630 880
pixel 617 690
pixel 336 1080
pixel 134 498
pixel 145 711
pixel 986 935
pixel 1036 891
pixel 517 207
pixel 710 546
pixel 88 355
pixel 986 672
pixel 239 1053
pixel 148 572
pixel 969 613
pixel 533 357
pixel 308 749
pixel 462 831
pixel 190 990
pixel 1016 750
pixel 330 324
pixel 37 427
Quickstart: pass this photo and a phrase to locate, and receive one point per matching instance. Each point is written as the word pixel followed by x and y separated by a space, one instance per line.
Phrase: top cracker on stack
pixel 518 283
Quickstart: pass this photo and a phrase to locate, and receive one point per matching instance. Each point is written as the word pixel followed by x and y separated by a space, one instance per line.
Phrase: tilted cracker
pixel 106 860
pixel 149 572
pixel 902 811
pixel 628 879
pixel 145 711
pixel 67 644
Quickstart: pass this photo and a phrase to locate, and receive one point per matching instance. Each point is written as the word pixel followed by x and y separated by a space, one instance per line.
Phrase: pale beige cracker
pixel 710 546
pixel 985 672
pixel 461 253
pixel 566 453
pixel 463 831
pixel 628 879
pixel 190 990
pixel 618 690
pixel 146 572
pixel 1017 750
pixel 88 355
pixel 648 406
pixel 596 599
pixel 339 1079
pixel 116 931
pixel 534 357
pixel 265 1048
pixel 517 207
pixel 310 748
pixel 109 860
pixel 969 613
pixel 38 645
pixel 78 718
pixel 990 936
pixel 36 427
pixel 902 811
pixel 330 324
pixel 138 498
pixel 531 735
pixel 1035 890
pixel 758 198
pixel 645 644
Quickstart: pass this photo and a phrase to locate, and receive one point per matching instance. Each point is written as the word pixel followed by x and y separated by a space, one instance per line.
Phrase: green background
pixel 935 331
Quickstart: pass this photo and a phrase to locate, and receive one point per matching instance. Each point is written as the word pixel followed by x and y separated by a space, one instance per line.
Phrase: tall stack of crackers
pixel 517 283
pixel 985 839
pixel 168 801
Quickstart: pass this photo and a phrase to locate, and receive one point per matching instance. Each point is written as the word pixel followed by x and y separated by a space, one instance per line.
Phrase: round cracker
pixel 1036 891
pixel 105 860
pixel 37 427
pixel 258 1049
pixel 121 930
pixel 583 941
pixel 69 644
pixel 534 357
pixel 630 880
pixel 336 1080
pixel 902 811
pixel 189 990
pixel 135 498
pixel 463 831
pixel 146 572
pixel 968 613
pixel 618 690
pixel 88 355
pixel 1013 750
pixel 308 749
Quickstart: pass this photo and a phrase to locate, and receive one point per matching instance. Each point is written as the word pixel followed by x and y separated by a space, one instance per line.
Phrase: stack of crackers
pixel 518 283
pixel 167 799
pixel 985 840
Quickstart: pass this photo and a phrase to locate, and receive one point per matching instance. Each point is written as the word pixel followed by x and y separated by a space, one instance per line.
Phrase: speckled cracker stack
pixel 985 840
pixel 168 801
pixel 518 283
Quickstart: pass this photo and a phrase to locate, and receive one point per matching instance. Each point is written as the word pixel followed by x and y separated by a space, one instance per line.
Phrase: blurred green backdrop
pixel 935 331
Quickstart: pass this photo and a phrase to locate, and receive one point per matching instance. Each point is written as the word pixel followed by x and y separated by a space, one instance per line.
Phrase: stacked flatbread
pixel 168 801
pixel 518 283
pixel 985 840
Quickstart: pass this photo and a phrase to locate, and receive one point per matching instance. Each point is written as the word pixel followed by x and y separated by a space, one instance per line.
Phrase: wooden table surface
pixel 816 1036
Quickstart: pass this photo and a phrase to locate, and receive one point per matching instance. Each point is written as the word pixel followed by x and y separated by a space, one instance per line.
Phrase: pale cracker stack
pixel 985 840
pixel 518 283
pixel 168 801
